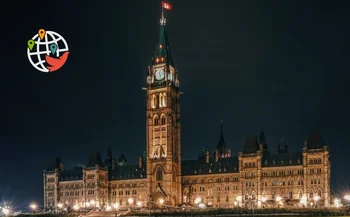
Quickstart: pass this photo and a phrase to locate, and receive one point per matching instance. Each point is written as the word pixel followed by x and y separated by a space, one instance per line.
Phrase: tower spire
pixel 162 19
pixel 162 53
pixel 221 148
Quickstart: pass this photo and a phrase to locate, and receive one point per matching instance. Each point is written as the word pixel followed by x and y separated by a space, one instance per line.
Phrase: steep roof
pixel 200 167
pixel 55 164
pixel 162 50
pixel 127 172
pixel 95 159
pixel 122 158
pixel 282 159
pixel 222 149
pixel 315 141
pixel 262 140
pixel 72 175
pixel 251 145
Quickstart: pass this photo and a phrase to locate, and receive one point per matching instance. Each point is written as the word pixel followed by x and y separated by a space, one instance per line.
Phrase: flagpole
pixel 163 14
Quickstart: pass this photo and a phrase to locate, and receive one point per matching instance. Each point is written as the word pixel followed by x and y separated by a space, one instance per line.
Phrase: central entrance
pixel 158 200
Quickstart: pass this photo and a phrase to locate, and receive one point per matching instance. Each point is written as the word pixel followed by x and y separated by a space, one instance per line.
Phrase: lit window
pixel 163 120
pixel 155 121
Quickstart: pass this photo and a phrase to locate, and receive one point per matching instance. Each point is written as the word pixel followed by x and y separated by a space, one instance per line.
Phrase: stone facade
pixel 216 178
pixel 258 176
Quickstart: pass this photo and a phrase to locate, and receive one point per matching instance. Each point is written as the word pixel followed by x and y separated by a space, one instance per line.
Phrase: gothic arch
pixel 155 120
pixel 156 197
pixel 311 193
pixel 282 193
pixel 162 119
pixel 319 192
pixel 218 198
pixel 253 195
pixel 153 101
pixel 246 195
pixel 159 173
pixel 300 193
pixel 164 100
pixel 160 100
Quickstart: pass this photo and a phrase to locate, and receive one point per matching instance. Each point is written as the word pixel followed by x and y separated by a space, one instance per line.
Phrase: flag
pixel 166 6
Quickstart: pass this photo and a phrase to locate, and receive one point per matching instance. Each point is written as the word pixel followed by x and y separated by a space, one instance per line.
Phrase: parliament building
pixel 216 178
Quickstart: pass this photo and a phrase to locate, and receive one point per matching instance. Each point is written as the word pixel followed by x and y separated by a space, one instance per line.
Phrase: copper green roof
pixel 162 52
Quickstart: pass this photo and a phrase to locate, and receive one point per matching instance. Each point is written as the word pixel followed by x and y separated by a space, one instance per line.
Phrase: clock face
pixel 159 74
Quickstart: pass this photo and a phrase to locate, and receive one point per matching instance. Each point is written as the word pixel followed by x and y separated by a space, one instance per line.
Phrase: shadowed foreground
pixel 210 213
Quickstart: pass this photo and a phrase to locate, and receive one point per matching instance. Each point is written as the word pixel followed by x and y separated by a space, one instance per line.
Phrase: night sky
pixel 277 66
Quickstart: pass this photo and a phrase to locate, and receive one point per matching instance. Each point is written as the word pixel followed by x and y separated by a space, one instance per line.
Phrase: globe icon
pixel 42 50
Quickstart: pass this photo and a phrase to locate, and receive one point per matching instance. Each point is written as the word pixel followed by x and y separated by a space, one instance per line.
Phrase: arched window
pixel 290 196
pixel 218 198
pixel 163 120
pixel 319 193
pixel 246 196
pixel 153 101
pixel 273 195
pixel 159 174
pixel 264 194
pixel 160 100
pixel 227 198
pixel 164 100
pixel 253 195
pixel 311 195
pixel 155 120
pixel 300 194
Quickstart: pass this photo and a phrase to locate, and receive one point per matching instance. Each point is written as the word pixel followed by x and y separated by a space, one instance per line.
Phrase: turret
pixel 262 142
pixel 109 158
pixel 221 148
pixel 122 160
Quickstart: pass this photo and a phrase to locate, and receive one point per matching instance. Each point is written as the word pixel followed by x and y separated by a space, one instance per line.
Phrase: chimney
pixel 207 156
pixel 217 156
pixel 140 161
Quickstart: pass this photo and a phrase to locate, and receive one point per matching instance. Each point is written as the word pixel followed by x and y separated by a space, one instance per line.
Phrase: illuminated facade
pixel 216 178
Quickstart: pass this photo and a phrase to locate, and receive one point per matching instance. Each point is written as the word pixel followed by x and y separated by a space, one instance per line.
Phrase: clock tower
pixel 163 126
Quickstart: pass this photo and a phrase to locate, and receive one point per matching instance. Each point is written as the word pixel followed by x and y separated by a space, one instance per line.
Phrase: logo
pixel 47 51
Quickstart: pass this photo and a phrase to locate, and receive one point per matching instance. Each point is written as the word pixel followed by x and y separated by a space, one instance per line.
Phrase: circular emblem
pixel 47 51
